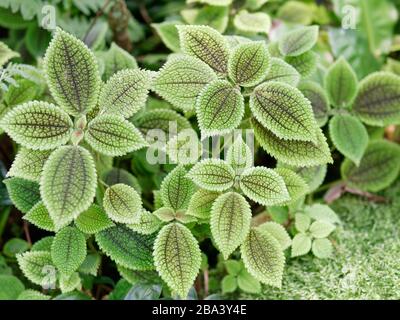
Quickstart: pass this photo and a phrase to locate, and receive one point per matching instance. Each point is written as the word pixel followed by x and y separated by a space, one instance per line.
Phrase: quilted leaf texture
pixel 122 203
pixel 118 175
pixel 68 183
pixel 313 176
pixel 378 99
pixel 264 186
pixel 177 257
pixel 23 193
pixel 37 266
pixel 112 135
pixel 234 41
pixel 319 100
pixel 206 44
pixel 93 220
pixel 70 283
pixel 295 184
pixel 239 155
pixel 349 136
pixel 248 63
pixel 252 22
pixel 181 79
pixel 219 108
pixel 213 174
pixel 68 250
pixel 282 72
pixel 125 92
pixel 230 222
pixel 298 41
pixel 139 276
pixel 293 152
pixel 38 125
pixel 201 202
pixel 305 64
pixel 148 223
pixel 177 189
pixel 127 247
pixel 341 84
pixel 284 110
pixel 72 73
pixel 40 217
pixel 263 257
pixel 278 232
pixel 43 244
pixel 168 34
pixel 28 164
pixel 378 168
pixel 30 294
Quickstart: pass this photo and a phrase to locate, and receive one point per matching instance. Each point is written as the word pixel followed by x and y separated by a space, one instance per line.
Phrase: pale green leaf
pixel 23 193
pixel 302 222
pixel 228 284
pixel 257 22
pixel 165 214
pixel 216 17
pixel 184 148
pixel 93 220
pixel 40 217
pixel 201 202
pixel 24 91
pixel 305 64
pixel 168 34
pixel 6 54
pixel 298 41
pixel 118 175
pixel 70 283
pixel 295 184
pixel 321 212
pixel 282 72
pixel 239 155
pixel 278 232
pixel 322 248
pixel 248 283
pixel 301 245
pixel 319 101
pixel 234 41
pixel 313 176
pixel 38 267
pixel 43 244
pixel 148 223
pixel 91 264
pixel 321 229
pixel 296 12
pixel 30 294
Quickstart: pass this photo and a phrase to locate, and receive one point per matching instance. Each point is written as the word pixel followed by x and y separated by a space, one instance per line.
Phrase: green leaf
pixel 228 284
pixel 297 153
pixel 321 212
pixel 284 110
pixel 177 257
pixel 10 287
pixel 93 220
pixel 341 84
pixel 205 43
pixel 201 202
pixel 139 276
pixel 43 244
pixel 378 168
pixel 125 92
pixel 122 203
pixel 38 267
pixel 322 248
pixel 40 217
pixel 184 148
pixel 233 267
pixel 165 214
pixel 23 91
pixel 68 183
pixel 14 246
pixel 212 2
pixel 305 64
pixel 257 22
pixel 301 245
pixel 247 283
pixel 319 101
pixel 118 175
pixel 212 175
pixel 70 283
pixel 68 250
pixel 216 17
pixel 249 63
pixel 263 257
pixel 282 72
pixel 296 12
pixel 230 222
pixel 23 193
pixel 378 99
pixel 298 41
pixel 295 184
pixel 219 108
pixel 148 223
pixel 38 125
pixel 6 54
pixel 278 232
pixel 72 73
pixel 113 135
pixel 264 186
pixel 239 155
pixel 37 39
pixel 302 222
pixel 91 264
pixel 126 247
pixel 177 189
pixel 321 229
pixel 313 176
pixel 30 294
pixel 168 34
pixel 349 136
pixel 234 41
pixel 181 79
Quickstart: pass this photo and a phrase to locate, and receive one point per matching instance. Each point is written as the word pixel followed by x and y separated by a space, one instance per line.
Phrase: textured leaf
pixel 341 84
pixel 72 73
pixel 296 12
pixel 248 63
pixel 301 245
pixel 284 110
pixel 263 257
pixel 319 101
pixel 70 283
pixel 165 214
pixel 30 294
pixel 139 276
pixel 321 212
pixel 239 155
pixel 68 184
pixel 122 203
pixel 305 64
pixel 278 232
pixel 264 186
pixel 6 54
pixel 378 168
pixel 112 135
pixel 213 175
pixel 181 79
pixel 378 99
pixel 282 72
pixel 118 175
pixel 298 41
pixel 184 148
pixel 68 250
pixel 230 222
pixel 322 248
pixel 252 22
pixel 234 41
pixel 43 244
pixel 125 92
pixel 297 153
pixel 93 220
pixel 313 176
pixel 321 229
pixel 177 257
pixel 219 108
pixel 168 34
pixel 38 267
pixel 201 202
pixel 302 222
pixel 23 193
pixel 148 223
pixel 205 43
pixel 127 247
pixel 349 136
pixel 38 125
pixel 40 217
pixel 91 264
pixel 25 90
pixel 295 184
pixel 177 189
pixel 10 287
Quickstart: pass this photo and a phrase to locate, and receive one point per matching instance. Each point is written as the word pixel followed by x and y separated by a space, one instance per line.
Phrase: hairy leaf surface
pixel 40 217
pixel 298 41
pixel 23 193
pixel 148 223
pixel 313 176
pixel 282 72
pixel 239 155
pixel 168 34
pixel 278 232
pixel 319 101
pixel 69 283
pixel 118 175
pixel 36 266
pixel 295 184
pixel 305 64
pixel 93 220
pixel 201 202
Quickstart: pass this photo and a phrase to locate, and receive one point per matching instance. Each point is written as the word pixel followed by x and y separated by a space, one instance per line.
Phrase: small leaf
pixel 298 41
pixel 72 73
pixel 168 34
pixel 219 108
pixel 10 287
pixel 248 283
pixel 301 245
pixel 15 246
pixel 216 17
pixel 263 257
pixel 23 193
pixel 165 214
pixel 40 217
pixel 252 22
pixel 70 283
pixel 295 184
pixel 91 264
pixel 228 284
pixel 341 84
pixel 38 267
pixel 234 41
pixel 230 222
pixel 321 212
pixel 201 202
pixel 319 101
pixel 282 72
pixel 239 155
pixel 212 175
pixel 302 222
pixel 264 186
pixel 321 229
pixel 322 248
pixel 313 176
pixel 148 223
pixel 6 54
pixel 233 267
pixel 349 136
pixel 283 110
pixel 278 232
pixel 177 257
pixel 68 250
pixel 43 244
pixel 93 220
pixel 305 64
pixel 25 90
pixel 184 148
pixel 38 125
pixel 112 135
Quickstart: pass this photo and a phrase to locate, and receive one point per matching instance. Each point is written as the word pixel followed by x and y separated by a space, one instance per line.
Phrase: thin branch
pixel 27 234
